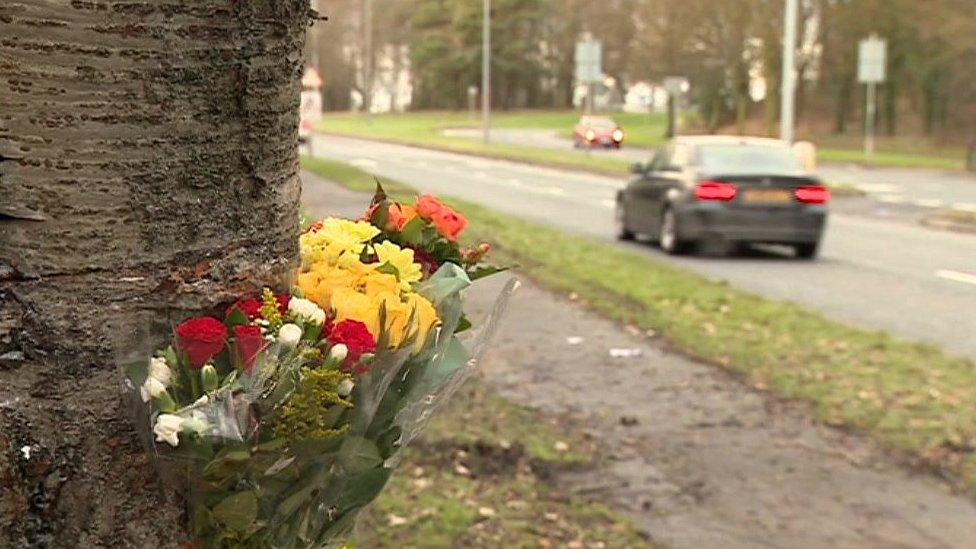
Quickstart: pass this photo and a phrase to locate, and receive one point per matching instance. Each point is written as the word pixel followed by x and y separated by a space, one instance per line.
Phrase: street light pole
pixel 788 88
pixel 486 71
pixel 368 65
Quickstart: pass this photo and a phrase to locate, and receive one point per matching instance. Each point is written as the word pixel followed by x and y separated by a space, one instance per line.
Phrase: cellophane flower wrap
pixel 282 418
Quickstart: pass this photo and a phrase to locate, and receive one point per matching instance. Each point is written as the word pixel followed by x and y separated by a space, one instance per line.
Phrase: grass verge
pixel 423 129
pixel 910 396
pixel 477 479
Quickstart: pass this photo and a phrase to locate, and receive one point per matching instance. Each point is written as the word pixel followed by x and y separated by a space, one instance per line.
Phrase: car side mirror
pixel 638 168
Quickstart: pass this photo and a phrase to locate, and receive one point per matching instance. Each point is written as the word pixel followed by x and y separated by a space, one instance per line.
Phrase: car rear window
pixel 747 158
pixel 599 122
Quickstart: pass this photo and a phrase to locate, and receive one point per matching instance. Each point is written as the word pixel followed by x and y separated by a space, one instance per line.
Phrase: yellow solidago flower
pixel 401 259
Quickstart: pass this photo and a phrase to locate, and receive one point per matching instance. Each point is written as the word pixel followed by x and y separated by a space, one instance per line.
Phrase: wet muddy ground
pixel 696 457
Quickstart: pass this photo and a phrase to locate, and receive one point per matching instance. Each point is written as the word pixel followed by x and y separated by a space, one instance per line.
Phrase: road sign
pixel 676 85
pixel 589 57
pixel 871 60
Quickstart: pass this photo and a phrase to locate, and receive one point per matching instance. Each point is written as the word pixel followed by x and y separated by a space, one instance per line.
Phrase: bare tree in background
pixel 148 171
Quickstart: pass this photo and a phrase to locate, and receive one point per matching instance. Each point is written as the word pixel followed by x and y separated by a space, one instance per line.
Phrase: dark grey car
pixel 738 189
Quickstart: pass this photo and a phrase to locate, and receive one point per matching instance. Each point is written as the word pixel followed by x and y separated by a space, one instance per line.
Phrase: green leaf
pixel 483 271
pixel 362 489
pixel 238 511
pixel 413 232
pixel 361 453
pixel 236 318
pixel 388 268
pixel 463 324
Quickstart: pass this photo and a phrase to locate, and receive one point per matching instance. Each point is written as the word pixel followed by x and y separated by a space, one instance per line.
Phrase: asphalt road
pixel 893 275
pixel 920 188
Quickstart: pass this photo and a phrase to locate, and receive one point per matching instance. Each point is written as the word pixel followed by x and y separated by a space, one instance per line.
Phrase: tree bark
pixel 148 172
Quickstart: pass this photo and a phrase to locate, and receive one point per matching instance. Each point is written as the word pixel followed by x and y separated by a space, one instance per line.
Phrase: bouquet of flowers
pixel 286 417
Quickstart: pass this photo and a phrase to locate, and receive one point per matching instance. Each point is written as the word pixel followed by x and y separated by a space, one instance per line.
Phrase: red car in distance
pixel 597 131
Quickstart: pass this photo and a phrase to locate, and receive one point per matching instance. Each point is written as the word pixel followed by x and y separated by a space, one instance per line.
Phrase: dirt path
pixel 696 457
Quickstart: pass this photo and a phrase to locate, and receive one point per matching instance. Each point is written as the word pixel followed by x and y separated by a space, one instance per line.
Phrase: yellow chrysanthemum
pixel 376 282
pixel 349 304
pixel 337 241
pixel 323 280
pixel 401 259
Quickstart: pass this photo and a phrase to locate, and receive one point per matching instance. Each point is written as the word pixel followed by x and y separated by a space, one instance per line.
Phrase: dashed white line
pixel 364 162
pixel 956 276
pixel 928 202
pixel 964 206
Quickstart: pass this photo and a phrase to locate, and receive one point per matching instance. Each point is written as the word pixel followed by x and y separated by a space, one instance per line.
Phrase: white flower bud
pixel 151 389
pixel 205 399
pixel 289 335
pixel 168 428
pixel 160 370
pixel 338 352
pixel 307 309
pixel 345 387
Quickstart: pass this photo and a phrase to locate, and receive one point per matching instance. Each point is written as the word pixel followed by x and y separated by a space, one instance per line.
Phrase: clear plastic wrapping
pixel 288 448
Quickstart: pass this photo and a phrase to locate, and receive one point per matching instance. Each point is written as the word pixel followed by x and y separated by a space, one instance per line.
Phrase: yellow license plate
pixel 766 195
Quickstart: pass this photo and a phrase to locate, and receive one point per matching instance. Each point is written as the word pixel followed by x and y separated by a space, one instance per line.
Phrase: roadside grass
pixel 477 478
pixel 910 396
pixel 423 129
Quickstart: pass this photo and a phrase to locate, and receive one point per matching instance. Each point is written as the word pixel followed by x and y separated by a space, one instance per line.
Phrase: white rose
pixel 307 309
pixel 168 428
pixel 338 352
pixel 345 387
pixel 160 370
pixel 152 388
pixel 289 335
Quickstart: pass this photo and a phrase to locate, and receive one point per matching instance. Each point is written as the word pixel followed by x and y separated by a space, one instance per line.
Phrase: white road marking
pixel 364 162
pixel 964 206
pixel 956 276
pixel 928 202
pixel 877 187
pixel 555 191
pixel 892 198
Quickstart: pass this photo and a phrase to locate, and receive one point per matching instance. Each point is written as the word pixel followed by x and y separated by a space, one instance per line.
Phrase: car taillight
pixel 715 190
pixel 812 194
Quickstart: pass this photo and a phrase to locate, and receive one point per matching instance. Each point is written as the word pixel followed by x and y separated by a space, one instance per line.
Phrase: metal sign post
pixel 589 57
pixel 676 86
pixel 871 57
pixel 788 87
pixel 486 72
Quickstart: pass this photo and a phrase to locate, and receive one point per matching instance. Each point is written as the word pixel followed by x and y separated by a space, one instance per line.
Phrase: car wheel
pixel 620 219
pixel 670 237
pixel 807 250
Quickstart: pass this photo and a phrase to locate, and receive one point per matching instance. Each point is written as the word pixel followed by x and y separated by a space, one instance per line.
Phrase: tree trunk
pixel 148 171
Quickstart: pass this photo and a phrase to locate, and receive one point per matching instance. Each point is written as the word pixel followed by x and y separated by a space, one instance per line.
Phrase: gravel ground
pixel 695 456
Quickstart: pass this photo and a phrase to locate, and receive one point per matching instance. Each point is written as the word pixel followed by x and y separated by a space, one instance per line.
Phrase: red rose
pixel 201 339
pixel 356 337
pixel 250 307
pixel 248 343
pixel 283 301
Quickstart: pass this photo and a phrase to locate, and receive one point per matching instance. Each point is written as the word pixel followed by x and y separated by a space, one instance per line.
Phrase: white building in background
pixel 392 88
pixel 644 97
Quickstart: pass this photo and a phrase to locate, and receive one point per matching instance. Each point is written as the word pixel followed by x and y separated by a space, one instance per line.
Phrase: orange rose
pixel 449 223
pixel 399 216
pixel 428 207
